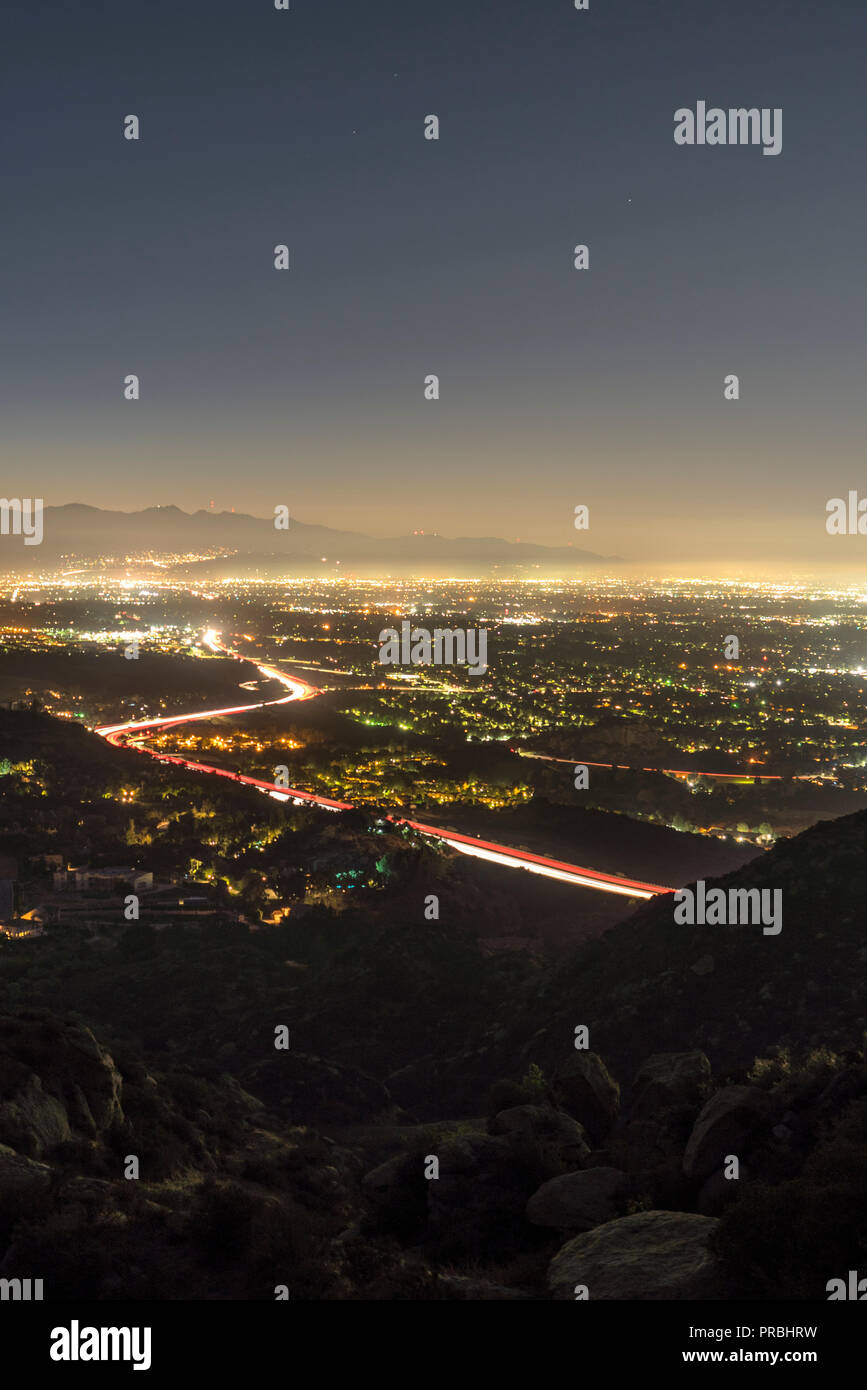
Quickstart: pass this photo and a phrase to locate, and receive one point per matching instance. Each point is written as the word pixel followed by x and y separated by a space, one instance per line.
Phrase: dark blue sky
pixel 411 257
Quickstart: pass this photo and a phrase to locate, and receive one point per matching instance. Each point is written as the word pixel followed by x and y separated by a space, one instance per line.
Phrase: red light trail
pixel 115 734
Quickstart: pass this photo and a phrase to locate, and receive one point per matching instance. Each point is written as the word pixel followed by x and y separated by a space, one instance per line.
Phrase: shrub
pixel 506 1094
pixel 788 1241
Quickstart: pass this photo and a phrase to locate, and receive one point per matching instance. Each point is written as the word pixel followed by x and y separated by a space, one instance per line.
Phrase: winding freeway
pixel 116 735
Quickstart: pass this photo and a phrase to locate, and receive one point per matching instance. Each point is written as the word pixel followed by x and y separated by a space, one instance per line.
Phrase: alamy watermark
pixel 855 1288
pixel 738 907
pixel 22 516
pixel 738 125
pixel 417 646
pixel 77 1343
pixel 21 1290
pixel 846 516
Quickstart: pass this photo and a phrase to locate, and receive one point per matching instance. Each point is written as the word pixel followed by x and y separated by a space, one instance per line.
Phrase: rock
pixel 577 1201
pixel 583 1087
pixel 638 1145
pixel 476 1206
pixel 468 1153
pixel 725 1125
pixel 546 1124
pixel 718 1190
pixel 351 1235
pixel 703 966
pixel 56 1083
pixel 250 1105
pixel 651 1255
pixel 597 1158
pixel 522 1119
pixel 848 1085
pixel 384 1179
pixel 462 1286
pixel 19 1174
pixel 667 1079
pixel 95 1191
pixel 396 1192
pixel 31 1121
pixel 94 1101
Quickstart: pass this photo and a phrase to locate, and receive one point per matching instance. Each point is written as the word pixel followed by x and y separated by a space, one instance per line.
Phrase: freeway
pixel 505 855
pixel 751 774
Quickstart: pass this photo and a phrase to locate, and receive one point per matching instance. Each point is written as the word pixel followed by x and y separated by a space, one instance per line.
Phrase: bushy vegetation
pixel 788 1241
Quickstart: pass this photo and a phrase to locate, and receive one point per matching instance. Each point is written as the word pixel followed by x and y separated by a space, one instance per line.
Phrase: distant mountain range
pixel 235 543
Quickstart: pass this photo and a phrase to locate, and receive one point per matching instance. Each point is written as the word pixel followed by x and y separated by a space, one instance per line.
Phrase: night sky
pixel 454 257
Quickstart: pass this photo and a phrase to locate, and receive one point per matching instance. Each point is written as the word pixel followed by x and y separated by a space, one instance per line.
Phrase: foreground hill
pixel 650 984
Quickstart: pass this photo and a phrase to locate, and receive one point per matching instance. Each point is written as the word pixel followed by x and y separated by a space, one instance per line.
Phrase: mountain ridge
pixel 83 531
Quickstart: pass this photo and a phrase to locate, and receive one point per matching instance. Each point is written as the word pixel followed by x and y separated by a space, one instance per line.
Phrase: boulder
pixel 19 1174
pixel 639 1145
pixel 475 1208
pixel 469 1154
pixel 547 1125
pixel 651 1255
pixel 670 1079
pixel 94 1096
pixel 584 1088
pixel 32 1121
pixel 379 1182
pixel 577 1201
pixel 718 1191
pixel 396 1192
pixel 726 1125
pixel 56 1083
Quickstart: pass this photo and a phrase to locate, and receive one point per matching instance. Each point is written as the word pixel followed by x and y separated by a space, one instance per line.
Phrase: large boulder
pixel 476 1206
pixel 552 1128
pixel 727 1124
pixel 651 1255
pixel 32 1121
pixel 670 1079
pixel 93 1096
pixel 638 1146
pixel 584 1088
pixel 56 1083
pixel 577 1201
